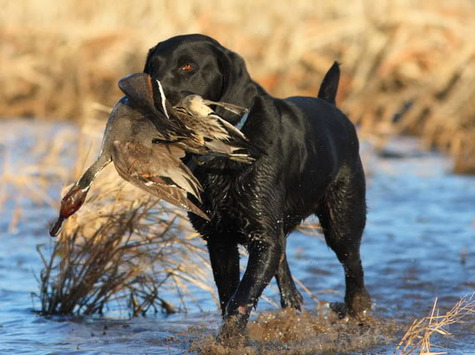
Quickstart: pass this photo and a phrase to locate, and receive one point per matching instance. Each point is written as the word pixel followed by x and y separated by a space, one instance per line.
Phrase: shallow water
pixel 418 245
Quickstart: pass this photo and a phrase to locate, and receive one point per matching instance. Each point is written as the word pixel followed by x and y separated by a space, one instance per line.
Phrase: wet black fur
pixel 307 162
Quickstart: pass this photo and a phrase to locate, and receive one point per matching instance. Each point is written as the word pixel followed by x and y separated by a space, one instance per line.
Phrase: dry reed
pixel 418 337
pixel 134 257
pixel 408 66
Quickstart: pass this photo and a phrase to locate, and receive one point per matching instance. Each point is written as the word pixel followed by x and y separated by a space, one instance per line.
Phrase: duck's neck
pixel 88 177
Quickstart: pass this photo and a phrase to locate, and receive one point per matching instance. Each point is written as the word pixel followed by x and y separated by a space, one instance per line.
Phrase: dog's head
pixel 198 64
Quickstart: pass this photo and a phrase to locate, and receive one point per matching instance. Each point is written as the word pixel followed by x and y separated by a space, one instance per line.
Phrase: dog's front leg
pixel 224 258
pixel 264 258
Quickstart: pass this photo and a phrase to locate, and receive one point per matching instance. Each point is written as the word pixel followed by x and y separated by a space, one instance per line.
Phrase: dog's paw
pixel 340 309
pixel 292 300
pixel 360 304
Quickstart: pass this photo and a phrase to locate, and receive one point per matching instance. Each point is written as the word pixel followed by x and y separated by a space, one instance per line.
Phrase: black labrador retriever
pixel 307 162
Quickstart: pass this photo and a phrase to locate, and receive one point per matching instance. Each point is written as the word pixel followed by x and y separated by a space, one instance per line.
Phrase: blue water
pixel 418 245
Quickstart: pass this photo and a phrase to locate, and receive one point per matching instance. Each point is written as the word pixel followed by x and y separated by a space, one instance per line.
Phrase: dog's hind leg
pixel 290 297
pixel 343 216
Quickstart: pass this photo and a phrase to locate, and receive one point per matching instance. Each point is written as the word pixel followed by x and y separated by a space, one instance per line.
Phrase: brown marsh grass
pixel 408 66
pixel 135 254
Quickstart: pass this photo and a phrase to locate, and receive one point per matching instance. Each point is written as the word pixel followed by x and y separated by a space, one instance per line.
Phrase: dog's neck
pixel 244 97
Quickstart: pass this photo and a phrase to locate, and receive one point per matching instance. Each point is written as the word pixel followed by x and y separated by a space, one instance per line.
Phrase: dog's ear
pixel 146 68
pixel 237 85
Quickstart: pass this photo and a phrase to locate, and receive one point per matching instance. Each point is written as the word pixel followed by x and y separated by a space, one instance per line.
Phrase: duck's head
pixel 76 196
pixel 70 203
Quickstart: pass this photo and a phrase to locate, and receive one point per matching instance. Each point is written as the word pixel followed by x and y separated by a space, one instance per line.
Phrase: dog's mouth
pixel 236 119
pixel 175 97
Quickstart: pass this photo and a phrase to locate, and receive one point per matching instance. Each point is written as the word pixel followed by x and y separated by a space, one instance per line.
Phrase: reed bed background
pixel 408 65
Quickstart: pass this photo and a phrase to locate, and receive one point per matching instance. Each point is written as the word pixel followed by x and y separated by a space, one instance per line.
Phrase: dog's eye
pixel 187 67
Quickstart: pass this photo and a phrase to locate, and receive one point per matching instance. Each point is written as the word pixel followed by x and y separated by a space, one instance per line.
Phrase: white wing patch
pixel 163 97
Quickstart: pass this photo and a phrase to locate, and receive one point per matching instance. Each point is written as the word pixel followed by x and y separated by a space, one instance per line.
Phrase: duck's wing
pixel 213 138
pixel 199 116
pixel 159 171
pixel 207 127
pixel 217 148
pixel 233 132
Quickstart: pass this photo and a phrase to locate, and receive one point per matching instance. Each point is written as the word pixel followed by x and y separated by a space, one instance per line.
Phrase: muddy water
pixel 418 245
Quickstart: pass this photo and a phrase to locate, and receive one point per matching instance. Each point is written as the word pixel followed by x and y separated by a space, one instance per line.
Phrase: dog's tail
pixel 329 85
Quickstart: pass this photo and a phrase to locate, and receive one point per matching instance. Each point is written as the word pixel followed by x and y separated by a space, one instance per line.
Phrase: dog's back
pixel 330 146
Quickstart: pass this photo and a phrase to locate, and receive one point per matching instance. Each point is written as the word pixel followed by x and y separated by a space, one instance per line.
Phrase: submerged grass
pixel 407 66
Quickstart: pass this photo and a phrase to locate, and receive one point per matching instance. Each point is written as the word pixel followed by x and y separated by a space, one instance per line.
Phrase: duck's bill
pixel 57 227
pixel 237 110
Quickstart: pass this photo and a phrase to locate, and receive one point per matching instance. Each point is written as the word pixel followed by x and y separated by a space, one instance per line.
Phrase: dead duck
pixel 145 139
pixel 130 142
